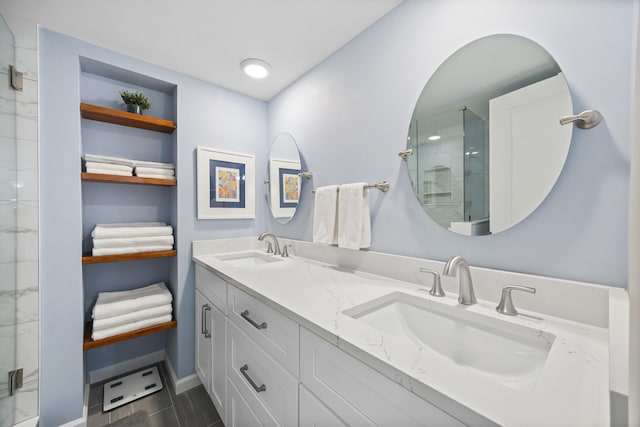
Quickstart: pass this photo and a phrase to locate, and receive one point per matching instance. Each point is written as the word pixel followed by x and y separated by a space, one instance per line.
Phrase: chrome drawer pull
pixel 245 316
pixel 205 331
pixel 243 371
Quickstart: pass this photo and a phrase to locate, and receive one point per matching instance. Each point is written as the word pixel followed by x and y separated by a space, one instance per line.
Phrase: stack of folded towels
pixel 155 170
pixel 109 165
pixel 131 237
pixel 125 167
pixel 119 312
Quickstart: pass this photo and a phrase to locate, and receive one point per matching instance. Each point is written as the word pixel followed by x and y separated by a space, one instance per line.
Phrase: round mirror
pixel 283 180
pixel 487 145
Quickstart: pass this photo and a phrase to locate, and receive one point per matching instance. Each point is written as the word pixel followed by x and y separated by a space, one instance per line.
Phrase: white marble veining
pixel 24 404
pixel 25 39
pixel 18 293
pixel 571 389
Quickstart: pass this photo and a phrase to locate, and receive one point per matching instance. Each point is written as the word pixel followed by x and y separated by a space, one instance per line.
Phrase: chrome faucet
pixel 275 242
pixel 465 294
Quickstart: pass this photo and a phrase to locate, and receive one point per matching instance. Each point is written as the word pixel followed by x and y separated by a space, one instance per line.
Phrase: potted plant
pixel 136 101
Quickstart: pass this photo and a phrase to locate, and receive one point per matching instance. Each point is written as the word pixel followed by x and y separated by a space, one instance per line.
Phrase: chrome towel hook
pixel 585 120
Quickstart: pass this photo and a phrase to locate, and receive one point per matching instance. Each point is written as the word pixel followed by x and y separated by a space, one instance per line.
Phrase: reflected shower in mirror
pixel 283 181
pixel 487 146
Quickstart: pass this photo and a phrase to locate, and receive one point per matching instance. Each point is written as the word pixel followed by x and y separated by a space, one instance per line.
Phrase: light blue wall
pixel 350 116
pixel 206 115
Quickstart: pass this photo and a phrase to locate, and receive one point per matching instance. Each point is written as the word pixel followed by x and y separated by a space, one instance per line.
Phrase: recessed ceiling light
pixel 434 137
pixel 256 68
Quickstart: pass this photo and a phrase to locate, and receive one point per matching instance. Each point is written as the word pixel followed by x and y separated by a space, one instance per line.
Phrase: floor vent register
pixel 132 387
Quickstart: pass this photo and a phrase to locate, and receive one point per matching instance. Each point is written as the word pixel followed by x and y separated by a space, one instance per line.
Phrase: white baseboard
pixel 183 384
pixel 126 366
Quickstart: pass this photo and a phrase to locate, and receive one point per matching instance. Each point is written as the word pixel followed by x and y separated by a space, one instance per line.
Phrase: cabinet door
pixel 314 413
pixel 203 340
pixel 218 364
pixel 239 413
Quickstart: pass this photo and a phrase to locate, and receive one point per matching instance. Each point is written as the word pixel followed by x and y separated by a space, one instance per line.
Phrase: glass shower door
pixel 8 231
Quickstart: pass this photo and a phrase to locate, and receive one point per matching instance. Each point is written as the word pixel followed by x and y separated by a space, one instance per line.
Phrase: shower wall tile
pixel 26 54
pixel 18 293
pixel 27 231
pixel 27 170
pixel 27 111
pixel 24 404
pixel 8 153
pixel 8 228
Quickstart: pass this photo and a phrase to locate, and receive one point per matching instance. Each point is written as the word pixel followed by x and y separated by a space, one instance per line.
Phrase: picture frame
pixel 225 184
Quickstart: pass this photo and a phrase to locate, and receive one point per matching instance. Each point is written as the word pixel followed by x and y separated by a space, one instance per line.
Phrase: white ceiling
pixel 207 39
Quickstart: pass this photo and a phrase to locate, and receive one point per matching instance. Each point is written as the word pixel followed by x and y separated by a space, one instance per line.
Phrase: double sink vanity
pixel 327 336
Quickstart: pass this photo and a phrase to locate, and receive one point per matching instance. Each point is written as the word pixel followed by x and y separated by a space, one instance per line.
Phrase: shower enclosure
pixel 449 168
pixel 18 279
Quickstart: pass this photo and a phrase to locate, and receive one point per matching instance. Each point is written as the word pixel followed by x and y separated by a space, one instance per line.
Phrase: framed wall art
pixel 226 184
pixel 284 187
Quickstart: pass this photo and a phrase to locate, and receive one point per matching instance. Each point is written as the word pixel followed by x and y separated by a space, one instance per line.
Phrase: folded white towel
pixel 325 215
pixel 134 316
pixel 133 326
pixel 132 241
pixel 109 304
pixel 153 175
pixel 109 167
pixel 354 222
pixel 130 250
pixel 107 159
pixel 108 172
pixel 146 164
pixel 132 224
pixel 136 231
pixel 155 171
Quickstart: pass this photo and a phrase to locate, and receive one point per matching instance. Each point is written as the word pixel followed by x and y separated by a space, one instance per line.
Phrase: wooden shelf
pixel 89 259
pixel 118 117
pixel 89 344
pixel 101 177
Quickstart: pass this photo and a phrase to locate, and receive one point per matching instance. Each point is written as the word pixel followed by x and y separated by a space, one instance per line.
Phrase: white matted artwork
pixel 226 184
pixel 285 187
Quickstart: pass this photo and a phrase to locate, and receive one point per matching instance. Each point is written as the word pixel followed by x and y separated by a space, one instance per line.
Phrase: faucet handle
pixel 436 288
pixel 269 248
pixel 505 306
pixel 285 251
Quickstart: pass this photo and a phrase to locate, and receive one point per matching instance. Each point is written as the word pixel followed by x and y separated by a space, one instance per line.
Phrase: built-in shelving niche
pixel 108 130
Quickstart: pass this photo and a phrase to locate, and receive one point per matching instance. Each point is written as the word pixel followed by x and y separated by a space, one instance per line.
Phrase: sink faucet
pixel 275 241
pixel 465 294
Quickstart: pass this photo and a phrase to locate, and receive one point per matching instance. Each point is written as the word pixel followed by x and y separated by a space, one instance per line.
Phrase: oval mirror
pixel 283 180
pixel 486 142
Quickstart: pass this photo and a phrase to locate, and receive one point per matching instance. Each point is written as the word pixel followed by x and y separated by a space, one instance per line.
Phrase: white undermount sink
pixel 510 354
pixel 247 258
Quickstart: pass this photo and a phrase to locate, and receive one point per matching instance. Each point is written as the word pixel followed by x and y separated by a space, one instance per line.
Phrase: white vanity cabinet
pixel 211 335
pixel 357 394
pixel 262 361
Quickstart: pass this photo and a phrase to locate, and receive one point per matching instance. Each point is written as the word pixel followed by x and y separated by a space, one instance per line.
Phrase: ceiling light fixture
pixel 256 68
pixel 434 137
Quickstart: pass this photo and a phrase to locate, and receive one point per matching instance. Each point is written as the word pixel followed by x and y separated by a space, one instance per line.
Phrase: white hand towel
pixel 112 232
pixel 130 250
pixel 109 167
pixel 155 171
pixel 153 175
pixel 107 159
pixel 134 316
pixel 133 326
pixel 146 164
pixel 109 304
pixel 132 241
pixel 354 222
pixel 325 215
pixel 108 172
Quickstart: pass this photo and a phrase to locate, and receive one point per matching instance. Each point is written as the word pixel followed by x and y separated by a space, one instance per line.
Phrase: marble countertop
pixel 572 388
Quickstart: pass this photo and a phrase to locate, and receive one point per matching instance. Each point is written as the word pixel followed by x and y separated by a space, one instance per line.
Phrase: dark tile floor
pixel 192 408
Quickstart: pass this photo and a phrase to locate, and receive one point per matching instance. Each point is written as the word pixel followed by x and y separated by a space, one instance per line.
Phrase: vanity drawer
pixel 358 394
pixel 270 391
pixel 276 334
pixel 212 287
